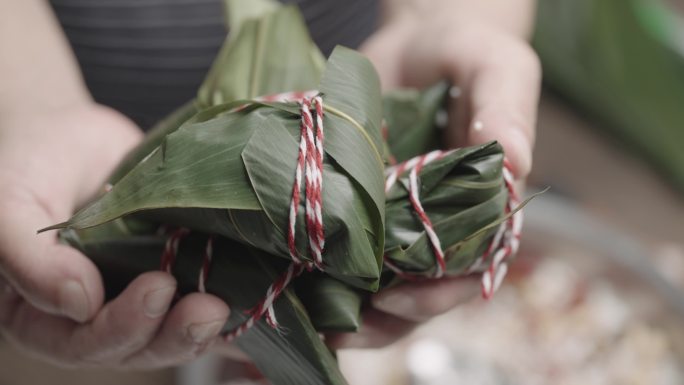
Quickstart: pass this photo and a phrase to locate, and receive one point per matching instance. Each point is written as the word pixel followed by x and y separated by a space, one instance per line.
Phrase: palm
pixel 55 309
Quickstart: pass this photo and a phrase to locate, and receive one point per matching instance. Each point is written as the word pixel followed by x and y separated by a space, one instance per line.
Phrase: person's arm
pixel 481 47
pixel 56 148
pixel 37 66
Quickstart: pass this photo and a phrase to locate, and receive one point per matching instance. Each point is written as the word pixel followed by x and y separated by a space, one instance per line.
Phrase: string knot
pixel 504 244
pixel 310 167
pixel 309 163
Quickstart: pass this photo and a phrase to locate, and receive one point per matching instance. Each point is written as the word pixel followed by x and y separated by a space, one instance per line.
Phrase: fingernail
pixel 157 302
pixel 73 300
pixel 201 333
pixel 396 303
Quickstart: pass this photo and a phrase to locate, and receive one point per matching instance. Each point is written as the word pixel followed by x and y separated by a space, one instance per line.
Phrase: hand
pixel 395 312
pixel 51 296
pixel 480 47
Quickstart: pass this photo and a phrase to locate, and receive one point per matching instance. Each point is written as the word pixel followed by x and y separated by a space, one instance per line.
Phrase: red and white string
pixel 206 264
pixel 293 96
pixel 310 163
pixel 504 244
pixel 414 166
pixel 170 253
pixel 168 258
pixel 310 167
pixel 265 306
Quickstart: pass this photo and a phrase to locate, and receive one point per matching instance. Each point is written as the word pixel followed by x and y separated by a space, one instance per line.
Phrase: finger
pixel 382 49
pixel 192 325
pixel 128 323
pixel 9 300
pixel 54 278
pixel 420 301
pixel 379 329
pixel 504 93
pixel 122 327
pixel 499 76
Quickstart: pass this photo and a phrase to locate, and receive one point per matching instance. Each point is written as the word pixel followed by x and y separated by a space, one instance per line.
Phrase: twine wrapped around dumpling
pixel 283 201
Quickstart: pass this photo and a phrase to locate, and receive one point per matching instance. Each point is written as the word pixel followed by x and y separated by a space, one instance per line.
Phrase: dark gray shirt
pixel 147 57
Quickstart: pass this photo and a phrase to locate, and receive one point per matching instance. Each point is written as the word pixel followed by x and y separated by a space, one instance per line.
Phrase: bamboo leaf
pixel 225 165
pixel 153 139
pixel 351 89
pixel 292 355
pixel 410 117
pixel 332 305
pixel 205 165
pixel 461 193
pixel 273 187
pixel 266 55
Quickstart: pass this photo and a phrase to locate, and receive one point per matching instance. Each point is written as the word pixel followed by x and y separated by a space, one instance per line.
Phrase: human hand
pixel 51 296
pixel 395 312
pixel 480 47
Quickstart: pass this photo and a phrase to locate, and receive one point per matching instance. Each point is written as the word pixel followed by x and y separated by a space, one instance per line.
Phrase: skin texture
pixel 57 147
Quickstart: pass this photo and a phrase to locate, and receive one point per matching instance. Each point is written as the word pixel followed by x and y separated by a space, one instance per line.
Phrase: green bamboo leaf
pixel 300 64
pixel 243 161
pixel 292 355
pixel 269 54
pixel 461 193
pixel 199 165
pixel 273 187
pixel 332 305
pixel 352 96
pixel 415 252
pixel 153 139
pixel 351 90
pixel 216 168
pixel 239 11
pixel 410 117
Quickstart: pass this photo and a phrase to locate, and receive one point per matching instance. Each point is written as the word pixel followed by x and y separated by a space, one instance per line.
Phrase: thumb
pixel 52 277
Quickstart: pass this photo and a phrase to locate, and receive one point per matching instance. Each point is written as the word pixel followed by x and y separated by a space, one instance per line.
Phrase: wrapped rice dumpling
pixel 273 190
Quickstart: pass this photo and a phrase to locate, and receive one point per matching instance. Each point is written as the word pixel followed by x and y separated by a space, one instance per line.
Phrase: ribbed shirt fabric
pixel 147 57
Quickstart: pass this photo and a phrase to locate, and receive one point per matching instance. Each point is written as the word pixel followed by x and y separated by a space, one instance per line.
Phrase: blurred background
pixel 596 295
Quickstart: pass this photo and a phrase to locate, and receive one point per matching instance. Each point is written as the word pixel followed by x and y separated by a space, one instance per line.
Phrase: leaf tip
pixel 58 226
